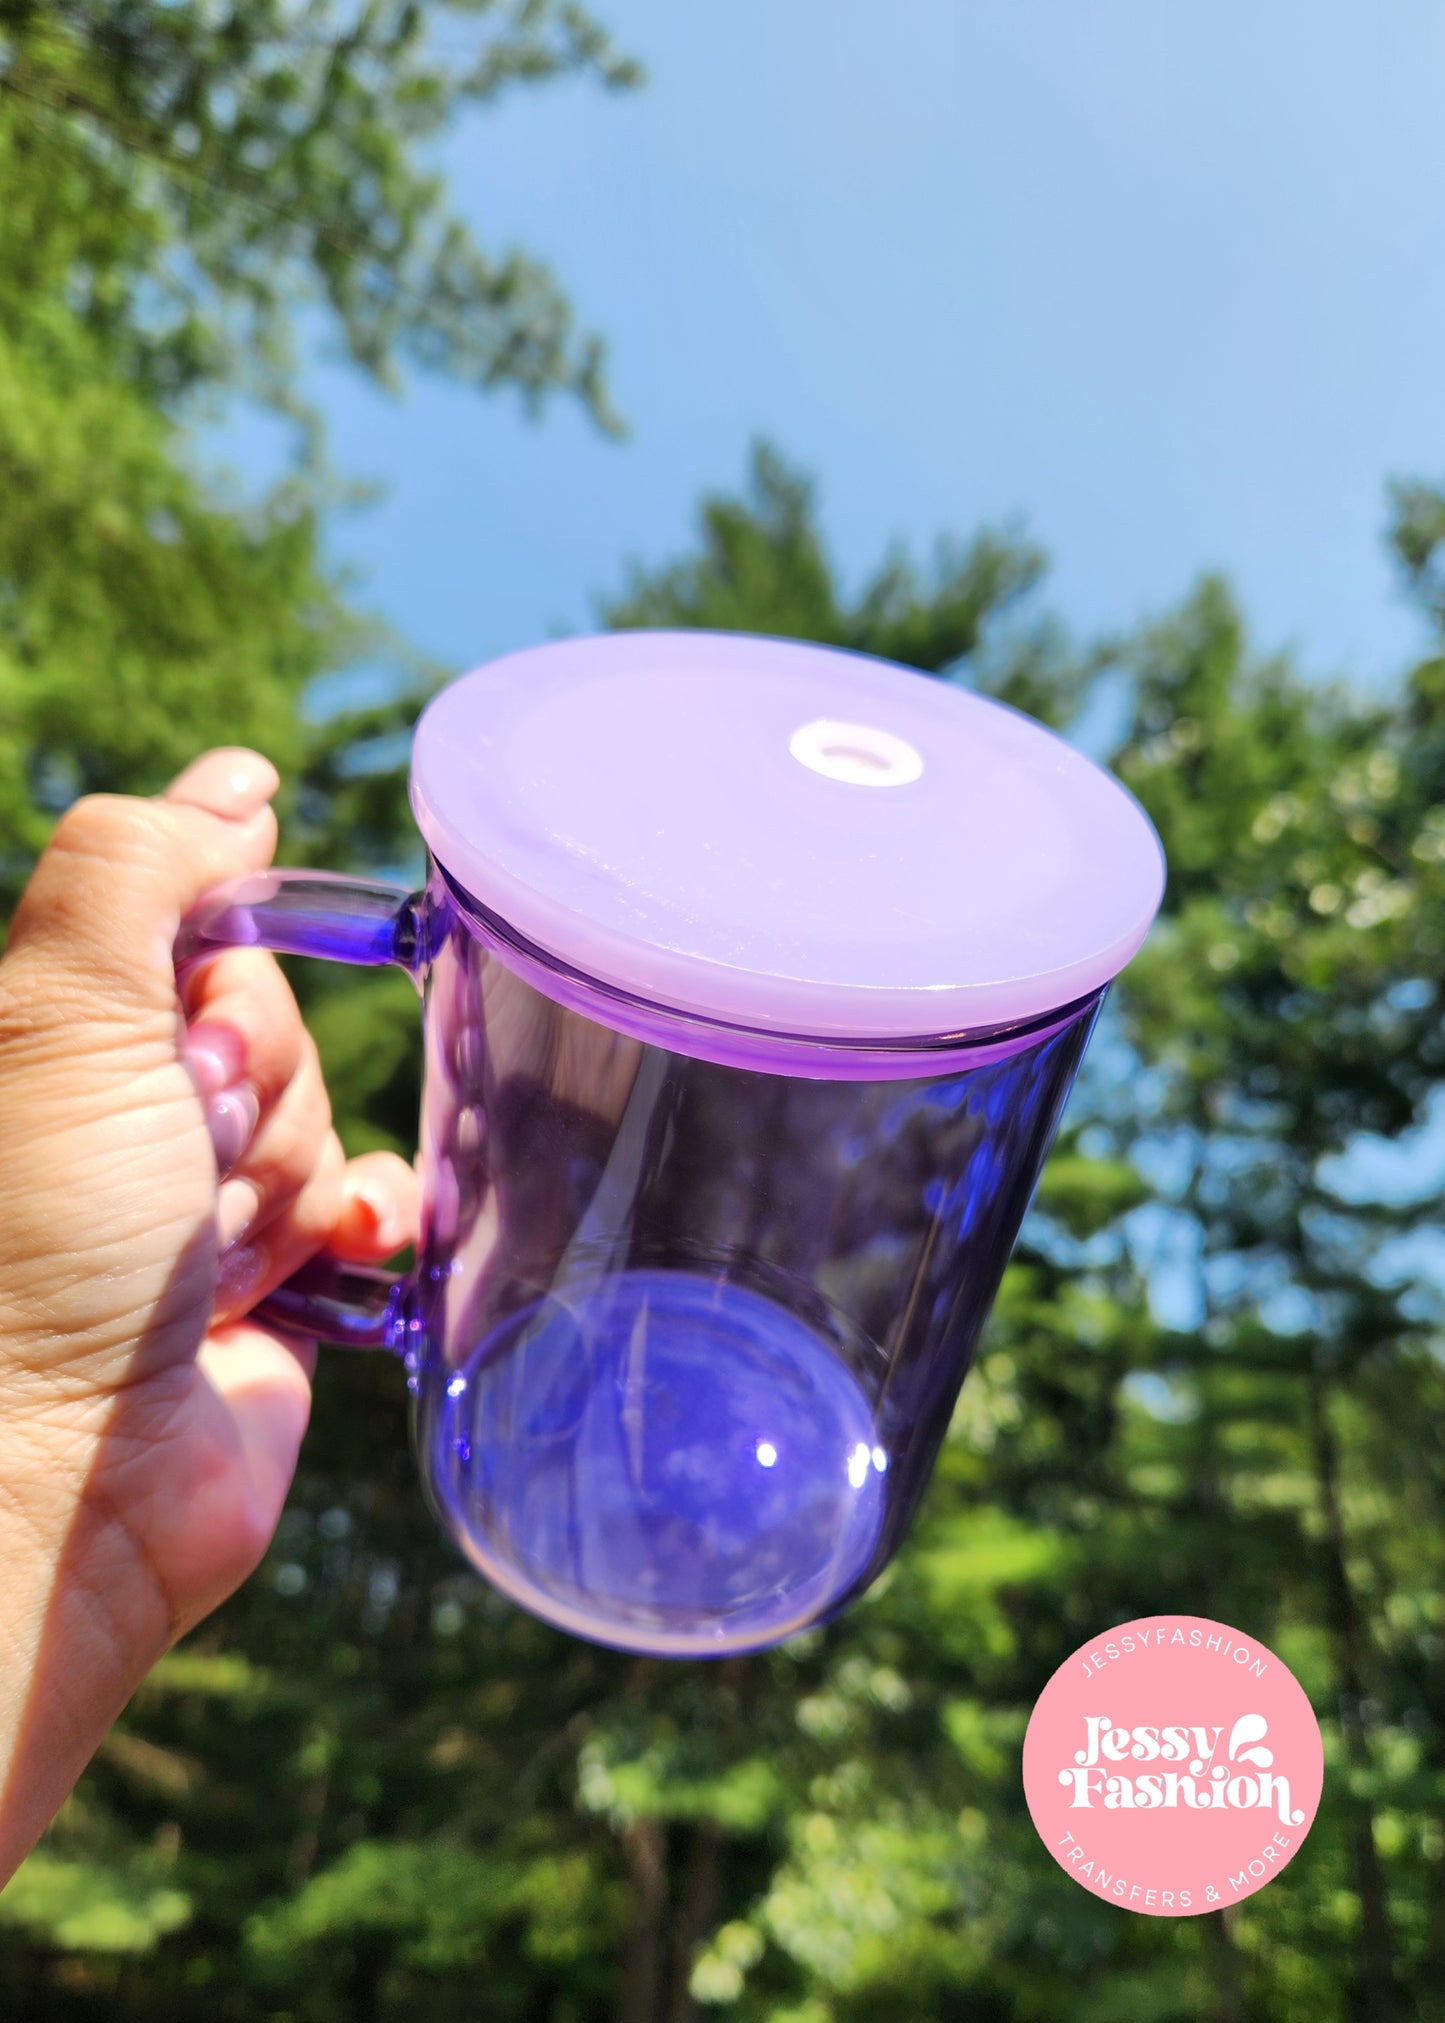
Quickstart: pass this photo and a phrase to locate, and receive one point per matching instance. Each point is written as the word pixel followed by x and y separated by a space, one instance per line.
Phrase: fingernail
pixel 213 1055
pixel 233 783
pixel 237 1203
pixel 231 1118
pixel 377 1211
pixel 238 1274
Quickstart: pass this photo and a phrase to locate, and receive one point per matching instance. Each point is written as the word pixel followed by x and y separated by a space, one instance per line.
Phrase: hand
pixel 148 1429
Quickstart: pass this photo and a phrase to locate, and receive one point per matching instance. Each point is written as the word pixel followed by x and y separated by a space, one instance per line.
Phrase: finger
pixel 380 1209
pixel 245 1030
pixel 230 781
pixel 268 1251
pixel 282 1156
pixel 261 1378
pixel 100 913
pixel 246 1355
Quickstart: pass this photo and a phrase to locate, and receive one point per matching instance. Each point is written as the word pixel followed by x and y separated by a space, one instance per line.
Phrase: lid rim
pixel 899 1046
pixel 1023 902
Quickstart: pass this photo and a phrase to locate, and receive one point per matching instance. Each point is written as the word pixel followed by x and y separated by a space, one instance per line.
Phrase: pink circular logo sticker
pixel 1173 1766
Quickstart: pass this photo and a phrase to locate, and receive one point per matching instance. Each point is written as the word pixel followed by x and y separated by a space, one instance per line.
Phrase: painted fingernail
pixel 233 782
pixel 213 1053
pixel 376 1211
pixel 231 1118
pixel 238 1274
pixel 237 1205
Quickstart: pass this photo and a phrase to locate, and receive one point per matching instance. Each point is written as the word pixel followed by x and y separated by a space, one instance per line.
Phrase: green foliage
pixel 1214 1377
pixel 176 182
pixel 110 1906
pixel 435 1907
pixel 273 152
pixel 762 568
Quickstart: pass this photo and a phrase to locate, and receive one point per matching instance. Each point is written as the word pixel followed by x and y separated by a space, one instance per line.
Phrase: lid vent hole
pixel 857 754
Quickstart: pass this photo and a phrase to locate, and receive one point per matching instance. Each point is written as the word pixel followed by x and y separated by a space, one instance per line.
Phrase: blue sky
pixel 1162 281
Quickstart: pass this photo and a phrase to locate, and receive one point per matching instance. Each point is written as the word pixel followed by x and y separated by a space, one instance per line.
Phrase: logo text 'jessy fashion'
pixel 1204 1787
pixel 1192 1785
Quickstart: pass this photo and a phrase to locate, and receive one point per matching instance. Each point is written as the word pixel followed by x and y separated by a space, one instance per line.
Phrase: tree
pixel 1264 1444
pixel 1214 1376
pixel 371 1784
pixel 177 180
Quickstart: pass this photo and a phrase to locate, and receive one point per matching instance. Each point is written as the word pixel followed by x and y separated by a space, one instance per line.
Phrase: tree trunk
pixel 1435 1945
pixel 644 1847
pixel 1225 1959
pixel 363 1985
pixel 1377 1967
pixel 696 1915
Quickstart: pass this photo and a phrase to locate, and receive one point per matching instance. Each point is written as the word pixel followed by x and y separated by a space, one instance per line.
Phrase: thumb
pixel 96 923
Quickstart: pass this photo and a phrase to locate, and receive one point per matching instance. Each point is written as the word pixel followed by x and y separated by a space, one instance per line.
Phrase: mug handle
pixel 344 920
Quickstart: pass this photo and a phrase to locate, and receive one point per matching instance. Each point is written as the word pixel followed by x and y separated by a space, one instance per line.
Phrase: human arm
pixel 148 1427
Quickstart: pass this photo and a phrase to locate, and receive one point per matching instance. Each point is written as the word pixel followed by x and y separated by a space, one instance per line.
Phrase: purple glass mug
pixel 756 976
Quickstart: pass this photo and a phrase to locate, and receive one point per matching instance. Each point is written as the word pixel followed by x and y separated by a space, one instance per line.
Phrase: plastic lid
pixel 784 837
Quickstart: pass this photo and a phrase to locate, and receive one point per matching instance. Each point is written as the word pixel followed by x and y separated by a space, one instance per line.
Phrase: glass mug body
pixel 686 1334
